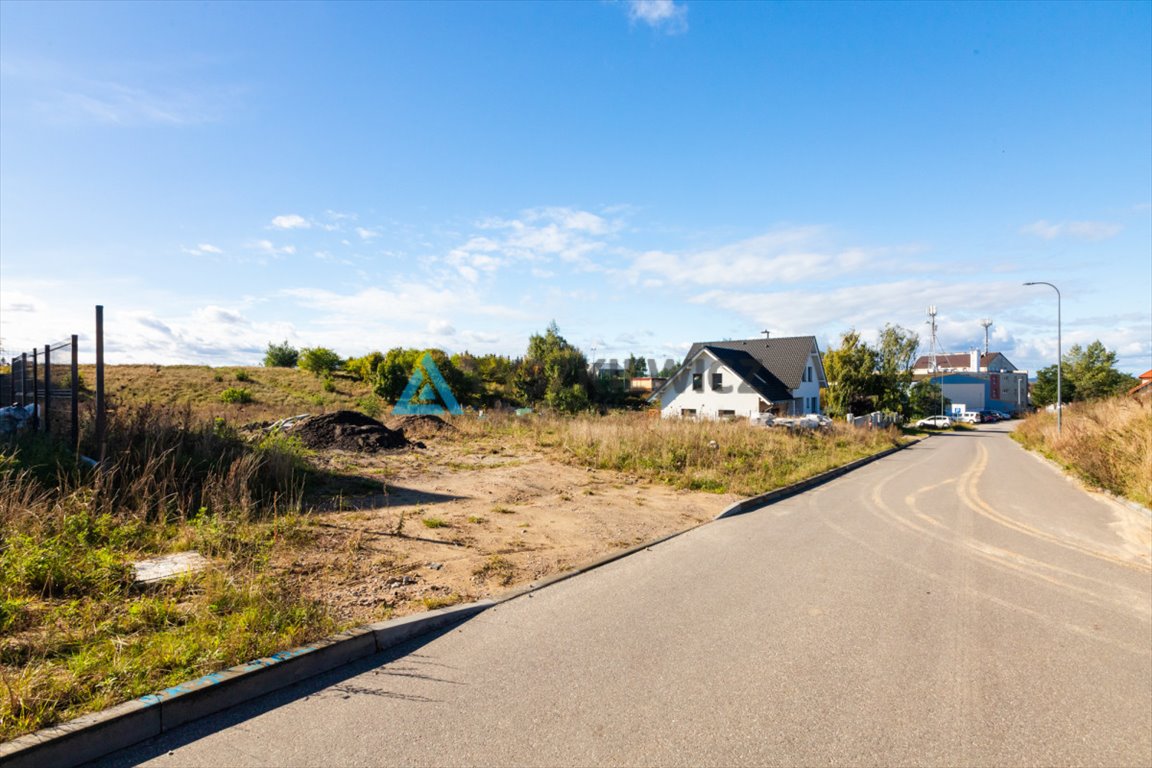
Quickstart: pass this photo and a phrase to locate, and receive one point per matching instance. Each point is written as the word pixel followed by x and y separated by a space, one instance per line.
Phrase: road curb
pixel 737 508
pixel 92 736
pixel 95 735
pixel 771 497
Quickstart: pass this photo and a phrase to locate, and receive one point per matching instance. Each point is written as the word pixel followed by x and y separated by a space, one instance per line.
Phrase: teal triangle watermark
pixel 425 383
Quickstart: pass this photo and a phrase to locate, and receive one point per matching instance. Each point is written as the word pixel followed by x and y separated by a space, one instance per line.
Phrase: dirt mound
pixel 348 431
pixel 422 425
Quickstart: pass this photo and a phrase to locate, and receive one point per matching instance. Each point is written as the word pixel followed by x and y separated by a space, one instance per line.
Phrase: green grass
pixel 76 634
pixel 435 522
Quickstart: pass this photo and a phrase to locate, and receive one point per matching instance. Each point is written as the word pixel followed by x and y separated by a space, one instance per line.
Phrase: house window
pixel 698 382
pixel 726 414
pixel 717 380
pixel 687 413
pixel 808 373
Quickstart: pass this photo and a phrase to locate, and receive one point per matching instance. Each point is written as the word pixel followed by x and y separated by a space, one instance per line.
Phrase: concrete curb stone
pixel 92 736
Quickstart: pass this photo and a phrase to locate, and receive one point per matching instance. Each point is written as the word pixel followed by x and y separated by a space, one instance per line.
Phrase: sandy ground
pixel 462 521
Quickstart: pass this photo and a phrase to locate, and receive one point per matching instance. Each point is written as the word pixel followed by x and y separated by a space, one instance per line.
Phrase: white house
pixel 743 378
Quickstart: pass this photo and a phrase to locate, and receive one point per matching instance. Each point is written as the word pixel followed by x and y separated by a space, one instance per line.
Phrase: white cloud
pixel 202 249
pixel 268 248
pixel 367 234
pixel 291 221
pixel 542 234
pixel 665 15
pixel 784 255
pixel 1079 230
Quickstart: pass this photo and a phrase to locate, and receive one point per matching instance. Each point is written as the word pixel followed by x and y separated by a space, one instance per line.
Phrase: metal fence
pixel 48 380
pixel 42 388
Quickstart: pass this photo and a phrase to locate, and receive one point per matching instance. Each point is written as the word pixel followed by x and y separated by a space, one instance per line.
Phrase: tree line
pixel 552 372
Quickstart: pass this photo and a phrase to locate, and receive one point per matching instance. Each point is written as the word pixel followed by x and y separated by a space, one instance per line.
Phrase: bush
pixel 281 355
pixel 243 376
pixel 236 395
pixel 319 361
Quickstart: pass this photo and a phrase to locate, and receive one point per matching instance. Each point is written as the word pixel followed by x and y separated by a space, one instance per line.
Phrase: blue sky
pixel 647 174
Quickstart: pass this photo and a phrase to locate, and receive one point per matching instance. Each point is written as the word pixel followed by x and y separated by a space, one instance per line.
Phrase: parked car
pixel 935 422
pixel 969 417
pixel 1003 416
pixel 989 417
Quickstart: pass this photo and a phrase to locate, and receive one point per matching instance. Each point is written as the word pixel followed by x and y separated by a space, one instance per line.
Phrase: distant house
pixel 1144 388
pixel 969 361
pixel 988 382
pixel 743 378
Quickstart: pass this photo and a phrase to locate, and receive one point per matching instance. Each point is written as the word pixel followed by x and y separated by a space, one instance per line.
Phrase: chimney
pixel 975 364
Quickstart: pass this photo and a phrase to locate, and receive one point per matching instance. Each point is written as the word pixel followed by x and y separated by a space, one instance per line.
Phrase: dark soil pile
pixel 422 425
pixel 348 431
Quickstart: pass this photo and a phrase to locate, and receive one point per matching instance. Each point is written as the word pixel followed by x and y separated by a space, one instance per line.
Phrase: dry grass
pixel 715 456
pixel 275 392
pixel 1106 443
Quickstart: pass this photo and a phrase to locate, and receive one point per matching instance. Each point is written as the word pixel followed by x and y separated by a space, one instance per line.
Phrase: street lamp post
pixel 1059 354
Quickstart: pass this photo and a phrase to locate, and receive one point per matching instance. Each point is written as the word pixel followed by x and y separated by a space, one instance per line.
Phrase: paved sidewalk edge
pixel 95 735
pixel 92 736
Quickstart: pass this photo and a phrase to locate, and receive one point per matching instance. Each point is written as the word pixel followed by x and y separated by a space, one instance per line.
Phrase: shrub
pixel 281 355
pixel 319 361
pixel 243 375
pixel 236 395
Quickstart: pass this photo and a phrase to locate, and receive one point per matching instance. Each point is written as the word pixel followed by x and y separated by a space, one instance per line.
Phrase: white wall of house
pixel 733 398
pixel 809 389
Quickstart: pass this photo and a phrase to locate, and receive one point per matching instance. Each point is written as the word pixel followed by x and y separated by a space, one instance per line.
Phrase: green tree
pixel 851 372
pixel 1092 370
pixel 281 355
pixel 894 358
pixel 393 371
pixel 364 368
pixel 319 361
pixel 1043 391
pixel 556 372
pixel 924 399
pixel 636 366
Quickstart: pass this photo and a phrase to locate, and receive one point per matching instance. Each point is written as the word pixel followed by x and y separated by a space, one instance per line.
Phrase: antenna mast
pixel 987 323
pixel 932 322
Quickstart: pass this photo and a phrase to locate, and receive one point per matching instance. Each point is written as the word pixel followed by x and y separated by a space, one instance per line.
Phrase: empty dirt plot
pixel 461 519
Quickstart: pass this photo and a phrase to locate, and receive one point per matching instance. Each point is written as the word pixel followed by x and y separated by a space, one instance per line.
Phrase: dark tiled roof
pixel 783 359
pixel 752 372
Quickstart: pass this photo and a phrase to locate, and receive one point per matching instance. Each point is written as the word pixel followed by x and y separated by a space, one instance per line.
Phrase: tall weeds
pixel 76 634
pixel 1107 443
pixel 718 456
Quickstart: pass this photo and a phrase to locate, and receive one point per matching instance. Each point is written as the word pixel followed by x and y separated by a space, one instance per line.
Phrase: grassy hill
pixel 273 392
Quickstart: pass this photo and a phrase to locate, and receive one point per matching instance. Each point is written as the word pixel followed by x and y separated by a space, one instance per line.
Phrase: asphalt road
pixel 958 603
